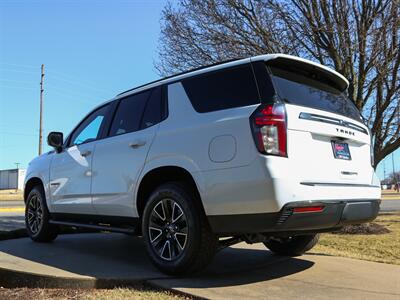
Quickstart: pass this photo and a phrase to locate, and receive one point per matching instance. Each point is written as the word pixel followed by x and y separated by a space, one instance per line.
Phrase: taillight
pixel 371 147
pixel 268 124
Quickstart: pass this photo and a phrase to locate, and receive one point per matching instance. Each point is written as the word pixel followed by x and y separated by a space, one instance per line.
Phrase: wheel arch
pixel 30 184
pixel 160 175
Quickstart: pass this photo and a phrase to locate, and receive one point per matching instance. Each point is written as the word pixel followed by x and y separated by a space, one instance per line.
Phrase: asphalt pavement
pixel 11 203
pixel 12 215
pixel 390 205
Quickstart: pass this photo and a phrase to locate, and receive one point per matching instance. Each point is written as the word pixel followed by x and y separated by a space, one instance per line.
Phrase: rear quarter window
pixel 222 89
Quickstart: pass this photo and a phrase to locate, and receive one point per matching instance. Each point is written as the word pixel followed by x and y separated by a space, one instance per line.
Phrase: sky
pixel 91 50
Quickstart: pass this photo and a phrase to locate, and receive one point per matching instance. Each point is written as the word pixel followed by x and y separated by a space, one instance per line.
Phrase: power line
pixel 74 92
pixel 64 76
pixel 18 81
pixel 58 75
pixel 76 83
pixel 61 91
pixel 18 71
pixel 17 133
pixel 76 98
pixel 18 87
pixel 18 65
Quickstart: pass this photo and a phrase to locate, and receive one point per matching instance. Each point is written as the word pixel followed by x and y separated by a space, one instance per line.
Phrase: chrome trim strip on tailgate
pixel 338 184
pixel 330 120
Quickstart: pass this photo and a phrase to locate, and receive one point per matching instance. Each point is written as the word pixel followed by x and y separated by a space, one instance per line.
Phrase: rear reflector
pixel 306 209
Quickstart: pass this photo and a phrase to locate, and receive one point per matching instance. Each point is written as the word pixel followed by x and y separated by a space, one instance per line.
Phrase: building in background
pixel 12 179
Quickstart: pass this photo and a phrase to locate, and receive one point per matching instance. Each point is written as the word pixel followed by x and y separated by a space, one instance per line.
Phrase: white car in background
pixel 264 149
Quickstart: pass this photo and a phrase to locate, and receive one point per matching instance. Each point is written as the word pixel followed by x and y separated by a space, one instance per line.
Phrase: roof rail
pixel 181 73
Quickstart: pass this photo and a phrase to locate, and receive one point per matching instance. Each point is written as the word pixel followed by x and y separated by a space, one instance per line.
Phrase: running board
pixel 96 227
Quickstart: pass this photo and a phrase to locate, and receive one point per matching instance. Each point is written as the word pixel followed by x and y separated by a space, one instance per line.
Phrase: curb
pixel 21 233
pixel 13 234
pixel 173 290
pixel 17 279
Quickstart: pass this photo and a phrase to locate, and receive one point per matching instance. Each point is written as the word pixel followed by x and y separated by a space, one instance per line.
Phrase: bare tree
pixel 394 177
pixel 358 38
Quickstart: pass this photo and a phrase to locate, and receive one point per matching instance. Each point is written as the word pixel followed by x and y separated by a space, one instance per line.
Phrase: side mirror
pixel 56 140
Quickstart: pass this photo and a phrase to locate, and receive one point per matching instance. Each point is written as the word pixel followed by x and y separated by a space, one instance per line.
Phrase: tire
pixel 292 246
pixel 37 217
pixel 177 236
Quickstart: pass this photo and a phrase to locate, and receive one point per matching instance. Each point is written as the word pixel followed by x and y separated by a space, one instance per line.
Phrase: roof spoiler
pixel 289 61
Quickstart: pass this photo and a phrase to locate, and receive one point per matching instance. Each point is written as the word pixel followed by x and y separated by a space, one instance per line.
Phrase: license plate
pixel 341 150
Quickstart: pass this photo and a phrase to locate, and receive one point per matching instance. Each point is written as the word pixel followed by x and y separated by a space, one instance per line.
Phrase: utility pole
pixel 41 112
pixel 16 188
pixel 384 170
pixel 394 174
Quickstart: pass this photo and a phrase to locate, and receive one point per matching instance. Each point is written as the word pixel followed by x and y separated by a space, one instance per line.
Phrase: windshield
pixel 309 90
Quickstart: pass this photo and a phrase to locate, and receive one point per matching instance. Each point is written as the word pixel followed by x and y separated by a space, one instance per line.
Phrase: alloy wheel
pixel 35 214
pixel 168 229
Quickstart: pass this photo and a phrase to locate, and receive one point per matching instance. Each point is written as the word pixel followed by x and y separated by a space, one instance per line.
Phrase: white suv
pixel 264 149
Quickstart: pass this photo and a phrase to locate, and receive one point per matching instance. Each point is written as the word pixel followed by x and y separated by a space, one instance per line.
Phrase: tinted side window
pixel 129 114
pixel 228 88
pixel 90 129
pixel 152 113
pixel 265 86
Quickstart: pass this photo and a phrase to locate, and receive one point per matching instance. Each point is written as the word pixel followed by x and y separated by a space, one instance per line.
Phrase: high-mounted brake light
pixel 268 124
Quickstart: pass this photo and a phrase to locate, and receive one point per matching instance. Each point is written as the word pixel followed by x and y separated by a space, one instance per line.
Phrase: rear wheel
pixel 292 246
pixel 37 217
pixel 177 236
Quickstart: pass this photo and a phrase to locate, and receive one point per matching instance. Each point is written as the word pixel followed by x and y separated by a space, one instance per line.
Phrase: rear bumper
pixel 334 215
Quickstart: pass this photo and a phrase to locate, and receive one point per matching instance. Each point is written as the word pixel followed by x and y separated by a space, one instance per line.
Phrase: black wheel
pixel 292 246
pixel 37 217
pixel 177 236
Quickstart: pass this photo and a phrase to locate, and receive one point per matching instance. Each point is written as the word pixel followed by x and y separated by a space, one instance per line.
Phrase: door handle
pixel 137 144
pixel 86 153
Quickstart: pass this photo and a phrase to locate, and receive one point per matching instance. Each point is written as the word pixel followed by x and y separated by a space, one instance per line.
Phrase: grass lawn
pixel 375 247
pixel 95 294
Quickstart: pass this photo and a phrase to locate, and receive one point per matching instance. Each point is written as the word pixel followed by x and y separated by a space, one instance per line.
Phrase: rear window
pixel 223 89
pixel 308 90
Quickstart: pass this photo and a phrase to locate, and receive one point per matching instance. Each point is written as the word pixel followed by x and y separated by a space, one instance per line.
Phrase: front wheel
pixel 37 217
pixel 292 246
pixel 177 237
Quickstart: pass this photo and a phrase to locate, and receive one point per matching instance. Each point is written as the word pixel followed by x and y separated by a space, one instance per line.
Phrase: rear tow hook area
pixel 251 238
